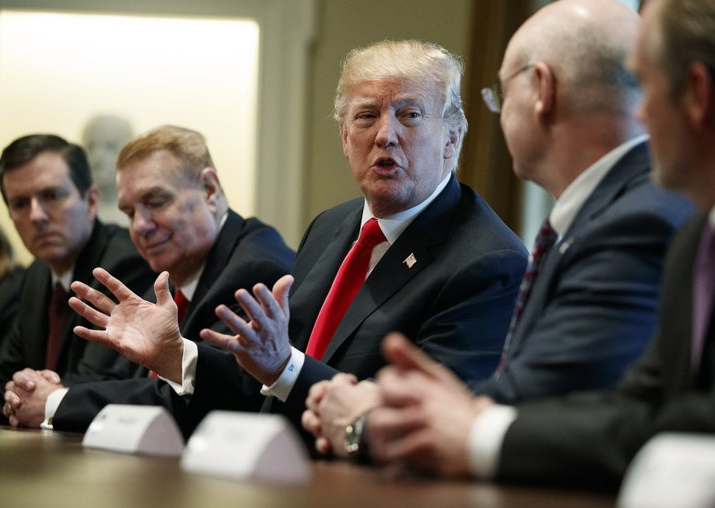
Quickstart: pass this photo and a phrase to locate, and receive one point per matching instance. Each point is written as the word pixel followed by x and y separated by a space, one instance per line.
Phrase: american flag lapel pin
pixel 410 260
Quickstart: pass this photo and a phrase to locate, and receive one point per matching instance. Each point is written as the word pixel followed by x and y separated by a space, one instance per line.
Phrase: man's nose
pixel 387 131
pixel 639 112
pixel 142 222
pixel 37 210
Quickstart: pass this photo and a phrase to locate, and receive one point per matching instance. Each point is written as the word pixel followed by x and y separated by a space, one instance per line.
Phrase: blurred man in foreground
pixel 431 259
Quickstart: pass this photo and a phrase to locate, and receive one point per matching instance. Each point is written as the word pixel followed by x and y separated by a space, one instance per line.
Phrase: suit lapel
pixel 314 288
pixel 632 165
pixel 394 270
pixel 216 262
pixel 36 330
pixel 87 260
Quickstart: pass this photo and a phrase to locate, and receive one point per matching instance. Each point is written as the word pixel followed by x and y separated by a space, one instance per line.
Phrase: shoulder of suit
pixel 341 209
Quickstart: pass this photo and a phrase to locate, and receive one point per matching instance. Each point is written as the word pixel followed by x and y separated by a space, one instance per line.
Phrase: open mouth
pixel 385 164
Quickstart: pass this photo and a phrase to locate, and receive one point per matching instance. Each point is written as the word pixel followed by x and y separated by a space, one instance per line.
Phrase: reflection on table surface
pixel 51 469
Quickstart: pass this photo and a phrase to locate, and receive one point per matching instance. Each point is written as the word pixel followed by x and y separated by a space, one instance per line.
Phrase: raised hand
pixel 261 346
pixel 144 332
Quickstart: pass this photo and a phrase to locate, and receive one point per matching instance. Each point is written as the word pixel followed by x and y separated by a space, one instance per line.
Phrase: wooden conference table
pixel 51 469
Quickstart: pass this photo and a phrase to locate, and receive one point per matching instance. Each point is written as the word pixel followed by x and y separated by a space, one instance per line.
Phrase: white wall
pixel 276 192
pixel 57 70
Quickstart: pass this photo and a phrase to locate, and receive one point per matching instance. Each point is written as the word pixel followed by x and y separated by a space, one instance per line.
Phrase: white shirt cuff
pixel 284 384
pixel 188 369
pixel 486 437
pixel 53 401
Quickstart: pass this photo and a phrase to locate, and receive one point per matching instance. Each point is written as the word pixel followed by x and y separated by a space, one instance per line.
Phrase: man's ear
pixel 545 83
pixel 697 97
pixel 92 200
pixel 454 139
pixel 344 138
pixel 212 187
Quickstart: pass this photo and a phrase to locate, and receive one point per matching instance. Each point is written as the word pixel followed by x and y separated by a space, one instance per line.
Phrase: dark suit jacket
pixel 592 307
pixel 455 302
pixel 246 252
pixel 590 439
pixel 110 247
pixel 10 287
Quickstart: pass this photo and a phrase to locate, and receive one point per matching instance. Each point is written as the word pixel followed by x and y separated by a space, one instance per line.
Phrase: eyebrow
pixel 398 103
pixel 152 191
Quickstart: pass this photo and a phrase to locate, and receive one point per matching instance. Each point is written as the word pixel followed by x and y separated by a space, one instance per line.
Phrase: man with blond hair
pixel 431 260
pixel 589 301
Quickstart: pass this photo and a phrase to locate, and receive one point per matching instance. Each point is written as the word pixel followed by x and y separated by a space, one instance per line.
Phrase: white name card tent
pixel 239 446
pixel 671 470
pixel 144 430
pixel 247 446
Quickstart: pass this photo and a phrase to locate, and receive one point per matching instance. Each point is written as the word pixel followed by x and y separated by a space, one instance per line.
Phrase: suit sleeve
pixel 83 401
pixel 590 439
pixel 11 359
pixel 601 312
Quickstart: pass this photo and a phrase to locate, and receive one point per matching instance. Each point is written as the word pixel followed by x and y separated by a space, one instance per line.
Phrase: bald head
pixel 585 42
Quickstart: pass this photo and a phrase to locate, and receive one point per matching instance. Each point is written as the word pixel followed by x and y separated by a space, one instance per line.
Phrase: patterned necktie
pixel 703 287
pixel 182 304
pixel 56 317
pixel 544 240
pixel 349 279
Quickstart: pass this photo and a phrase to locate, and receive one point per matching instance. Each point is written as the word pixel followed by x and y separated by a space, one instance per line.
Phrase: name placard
pixel 247 446
pixel 672 469
pixel 145 430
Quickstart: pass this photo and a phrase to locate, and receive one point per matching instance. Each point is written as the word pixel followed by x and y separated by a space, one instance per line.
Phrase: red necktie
pixel 350 278
pixel 181 304
pixel 56 317
pixel 544 240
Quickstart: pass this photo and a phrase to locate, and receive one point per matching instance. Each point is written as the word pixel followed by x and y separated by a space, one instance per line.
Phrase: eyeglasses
pixel 494 95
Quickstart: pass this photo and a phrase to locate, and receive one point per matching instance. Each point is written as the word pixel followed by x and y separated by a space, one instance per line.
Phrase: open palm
pixel 144 332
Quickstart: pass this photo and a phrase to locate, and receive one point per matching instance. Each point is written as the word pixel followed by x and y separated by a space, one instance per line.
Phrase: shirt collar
pixel 576 194
pixel 393 225
pixel 65 279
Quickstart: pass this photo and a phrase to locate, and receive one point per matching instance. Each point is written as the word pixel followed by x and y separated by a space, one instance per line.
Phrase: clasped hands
pixel 420 413
pixel 148 333
pixel 25 396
